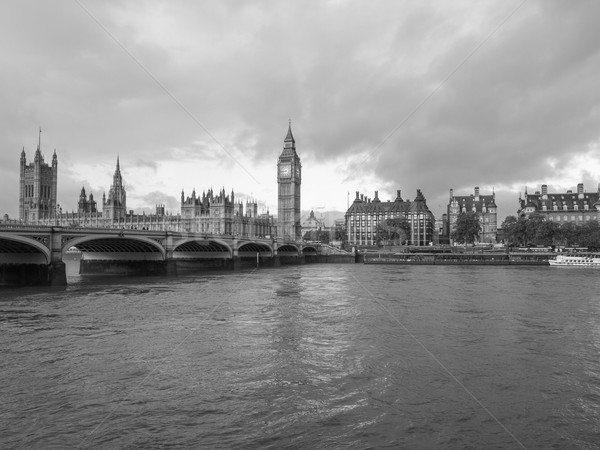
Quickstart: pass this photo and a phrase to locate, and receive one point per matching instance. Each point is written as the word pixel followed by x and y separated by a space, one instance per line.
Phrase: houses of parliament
pixel 211 213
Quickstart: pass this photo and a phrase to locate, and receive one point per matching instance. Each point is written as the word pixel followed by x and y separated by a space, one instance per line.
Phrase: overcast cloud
pixel 382 95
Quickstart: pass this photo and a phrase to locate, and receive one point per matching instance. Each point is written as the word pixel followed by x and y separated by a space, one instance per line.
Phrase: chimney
pixel 357 195
pixel 376 195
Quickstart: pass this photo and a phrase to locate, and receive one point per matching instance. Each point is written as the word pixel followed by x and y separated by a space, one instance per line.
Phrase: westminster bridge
pixel 33 254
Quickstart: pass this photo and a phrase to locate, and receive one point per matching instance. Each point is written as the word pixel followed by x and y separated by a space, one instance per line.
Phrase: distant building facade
pixel 312 223
pixel 37 186
pixel 365 215
pixel 86 205
pixel 576 207
pixel 485 208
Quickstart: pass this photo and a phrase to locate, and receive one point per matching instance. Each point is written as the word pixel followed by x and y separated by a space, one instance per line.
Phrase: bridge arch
pixel 201 248
pixel 309 250
pixel 288 249
pixel 105 246
pixel 30 251
pixel 252 248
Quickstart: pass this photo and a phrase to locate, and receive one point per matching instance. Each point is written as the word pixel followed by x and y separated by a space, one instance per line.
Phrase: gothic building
pixel 576 207
pixel 289 179
pixel 365 216
pixel 218 213
pixel 208 213
pixel 483 205
pixel 86 205
pixel 37 186
pixel 115 206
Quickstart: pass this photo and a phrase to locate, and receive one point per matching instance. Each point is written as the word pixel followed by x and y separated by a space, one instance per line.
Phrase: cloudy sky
pixel 383 95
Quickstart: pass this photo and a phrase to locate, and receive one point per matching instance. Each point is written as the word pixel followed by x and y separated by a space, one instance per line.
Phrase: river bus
pixel 576 260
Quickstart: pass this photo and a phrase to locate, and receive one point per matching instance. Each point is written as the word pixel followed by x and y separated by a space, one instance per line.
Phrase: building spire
pixel 40 139
pixel 290 137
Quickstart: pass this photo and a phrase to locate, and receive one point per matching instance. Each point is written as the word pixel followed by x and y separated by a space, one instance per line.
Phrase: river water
pixel 315 356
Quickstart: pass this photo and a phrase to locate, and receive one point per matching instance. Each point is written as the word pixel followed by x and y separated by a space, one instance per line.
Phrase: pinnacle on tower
pixel 289 137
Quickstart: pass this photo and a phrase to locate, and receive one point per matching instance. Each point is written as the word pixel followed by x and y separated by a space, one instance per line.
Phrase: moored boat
pixel 488 259
pixel 578 260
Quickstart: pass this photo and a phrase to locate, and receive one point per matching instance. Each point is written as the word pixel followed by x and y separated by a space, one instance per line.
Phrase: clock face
pixel 284 170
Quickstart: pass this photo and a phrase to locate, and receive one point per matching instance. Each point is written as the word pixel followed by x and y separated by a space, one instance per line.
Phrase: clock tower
pixel 289 177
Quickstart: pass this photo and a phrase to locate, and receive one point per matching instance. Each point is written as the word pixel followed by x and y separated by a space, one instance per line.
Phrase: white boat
pixel 584 260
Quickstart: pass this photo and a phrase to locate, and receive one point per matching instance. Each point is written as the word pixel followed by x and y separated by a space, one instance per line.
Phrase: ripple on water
pixel 328 356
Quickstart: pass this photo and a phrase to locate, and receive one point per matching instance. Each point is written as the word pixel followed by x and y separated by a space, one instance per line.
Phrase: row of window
pixel 586 207
pixel 574 218
pixel 363 220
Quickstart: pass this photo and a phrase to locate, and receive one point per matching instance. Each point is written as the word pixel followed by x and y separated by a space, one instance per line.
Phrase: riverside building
pixel 576 207
pixel 485 208
pixel 211 213
pixel 364 217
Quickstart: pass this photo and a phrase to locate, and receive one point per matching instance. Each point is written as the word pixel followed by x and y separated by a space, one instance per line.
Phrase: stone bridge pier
pixel 57 269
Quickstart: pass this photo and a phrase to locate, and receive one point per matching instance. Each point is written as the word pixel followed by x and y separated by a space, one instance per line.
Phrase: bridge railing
pixel 23 227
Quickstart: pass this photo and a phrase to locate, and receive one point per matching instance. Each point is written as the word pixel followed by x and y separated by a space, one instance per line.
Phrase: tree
pixel 395 230
pixel 515 230
pixel 532 224
pixel 590 235
pixel 568 233
pixel 546 233
pixel 509 227
pixel 317 236
pixel 467 228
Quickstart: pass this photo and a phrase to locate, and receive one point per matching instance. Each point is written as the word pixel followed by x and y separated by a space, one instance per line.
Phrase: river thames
pixel 314 356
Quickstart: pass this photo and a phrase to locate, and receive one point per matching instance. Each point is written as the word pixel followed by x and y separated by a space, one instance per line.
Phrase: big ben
pixel 289 178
